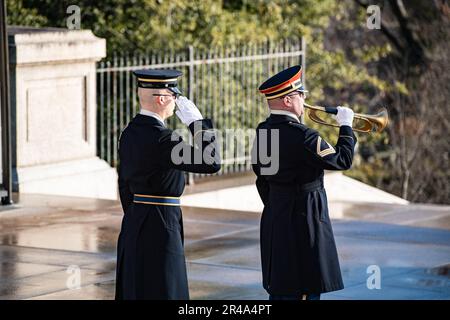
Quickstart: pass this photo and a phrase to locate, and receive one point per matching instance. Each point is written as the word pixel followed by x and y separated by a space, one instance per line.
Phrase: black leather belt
pixel 311 186
pixel 306 187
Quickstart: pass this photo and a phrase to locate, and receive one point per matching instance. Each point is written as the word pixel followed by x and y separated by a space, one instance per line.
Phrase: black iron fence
pixel 223 82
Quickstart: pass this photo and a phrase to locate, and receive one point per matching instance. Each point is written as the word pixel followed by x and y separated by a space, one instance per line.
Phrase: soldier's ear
pixel 159 100
pixel 287 101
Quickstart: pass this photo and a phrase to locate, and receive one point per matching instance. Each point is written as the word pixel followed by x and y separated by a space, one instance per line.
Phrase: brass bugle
pixel 364 122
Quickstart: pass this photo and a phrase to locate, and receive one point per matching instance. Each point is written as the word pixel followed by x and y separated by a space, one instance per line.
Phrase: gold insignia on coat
pixel 326 151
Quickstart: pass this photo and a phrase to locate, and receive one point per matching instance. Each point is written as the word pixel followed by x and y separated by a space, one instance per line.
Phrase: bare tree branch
pixel 391 37
pixel 414 47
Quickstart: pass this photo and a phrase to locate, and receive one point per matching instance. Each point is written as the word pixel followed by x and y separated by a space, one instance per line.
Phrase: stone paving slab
pixel 96 291
pixel 42 237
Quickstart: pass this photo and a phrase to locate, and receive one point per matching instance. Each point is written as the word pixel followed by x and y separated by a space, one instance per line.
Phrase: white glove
pixel 344 116
pixel 187 111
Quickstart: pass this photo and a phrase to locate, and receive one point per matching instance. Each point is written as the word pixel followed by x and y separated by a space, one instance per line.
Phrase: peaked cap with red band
pixel 283 83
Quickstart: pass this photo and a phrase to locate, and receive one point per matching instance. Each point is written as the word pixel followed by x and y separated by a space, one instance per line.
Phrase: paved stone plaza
pixel 42 236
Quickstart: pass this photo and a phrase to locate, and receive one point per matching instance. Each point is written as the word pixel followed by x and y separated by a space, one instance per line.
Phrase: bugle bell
pixel 364 122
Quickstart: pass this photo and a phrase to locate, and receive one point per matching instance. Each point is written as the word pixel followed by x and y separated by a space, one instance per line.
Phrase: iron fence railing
pixel 223 82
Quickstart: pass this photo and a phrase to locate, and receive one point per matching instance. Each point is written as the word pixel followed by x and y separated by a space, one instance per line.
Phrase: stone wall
pixel 53 102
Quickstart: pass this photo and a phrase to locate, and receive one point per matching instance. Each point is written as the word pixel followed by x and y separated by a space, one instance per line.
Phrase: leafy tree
pixel 400 66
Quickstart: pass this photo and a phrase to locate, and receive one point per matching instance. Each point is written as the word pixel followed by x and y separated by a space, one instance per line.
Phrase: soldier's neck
pixel 284 112
pixel 152 113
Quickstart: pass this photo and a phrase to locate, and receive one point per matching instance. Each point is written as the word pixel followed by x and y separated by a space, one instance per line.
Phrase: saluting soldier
pixel 150 254
pixel 298 251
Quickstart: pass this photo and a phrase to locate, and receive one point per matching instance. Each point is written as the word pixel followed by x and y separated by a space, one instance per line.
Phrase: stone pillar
pixel 53 102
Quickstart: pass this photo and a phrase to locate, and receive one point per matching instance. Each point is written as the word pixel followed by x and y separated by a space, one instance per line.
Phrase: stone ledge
pixel 92 178
pixel 54 46
pixel 340 190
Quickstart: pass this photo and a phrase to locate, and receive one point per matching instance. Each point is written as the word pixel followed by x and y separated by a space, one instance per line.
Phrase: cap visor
pixel 175 90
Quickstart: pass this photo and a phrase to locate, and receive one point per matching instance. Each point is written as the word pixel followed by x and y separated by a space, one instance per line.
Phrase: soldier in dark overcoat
pixel 153 161
pixel 298 251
